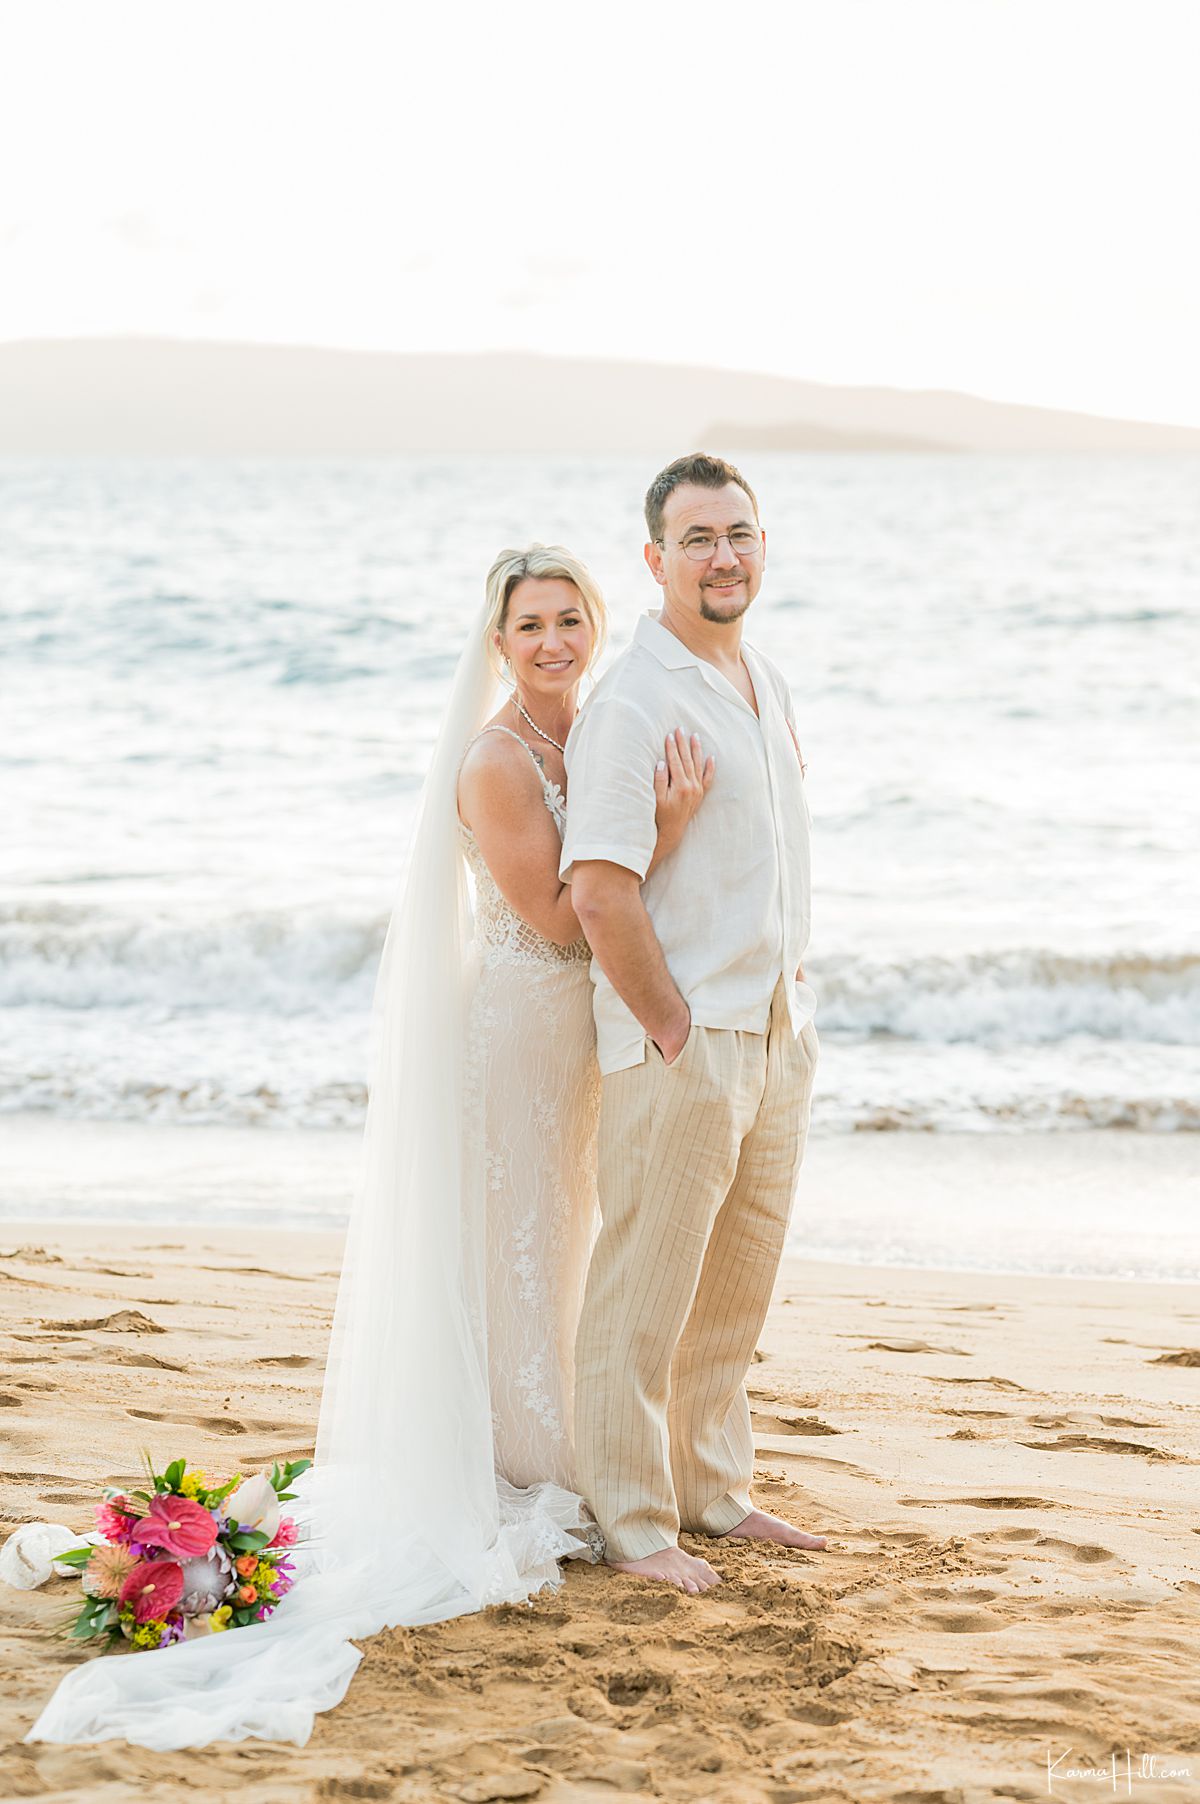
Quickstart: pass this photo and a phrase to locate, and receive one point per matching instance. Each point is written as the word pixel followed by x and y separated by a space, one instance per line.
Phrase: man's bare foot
pixel 758 1526
pixel 673 1567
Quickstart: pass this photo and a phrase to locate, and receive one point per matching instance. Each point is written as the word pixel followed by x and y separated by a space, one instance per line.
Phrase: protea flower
pixel 153 1588
pixel 179 1526
pixel 207 1581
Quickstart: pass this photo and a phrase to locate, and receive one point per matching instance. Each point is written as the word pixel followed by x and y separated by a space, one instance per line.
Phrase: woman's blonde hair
pixel 542 562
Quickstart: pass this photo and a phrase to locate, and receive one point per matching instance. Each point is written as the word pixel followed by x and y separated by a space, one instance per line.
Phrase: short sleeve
pixel 610 762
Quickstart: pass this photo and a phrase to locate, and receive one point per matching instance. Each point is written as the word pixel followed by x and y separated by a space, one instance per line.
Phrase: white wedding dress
pixel 443 1478
pixel 533 1099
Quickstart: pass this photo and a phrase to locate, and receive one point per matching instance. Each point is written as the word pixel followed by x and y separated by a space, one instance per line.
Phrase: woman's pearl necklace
pixel 523 712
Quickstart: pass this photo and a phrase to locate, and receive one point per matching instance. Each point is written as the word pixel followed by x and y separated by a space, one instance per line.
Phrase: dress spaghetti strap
pixel 547 787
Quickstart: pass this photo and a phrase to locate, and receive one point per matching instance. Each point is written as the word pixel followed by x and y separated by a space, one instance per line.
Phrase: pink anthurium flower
pixel 179 1526
pixel 153 1588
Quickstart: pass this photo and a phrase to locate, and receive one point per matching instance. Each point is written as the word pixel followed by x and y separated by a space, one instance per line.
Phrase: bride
pixel 444 1478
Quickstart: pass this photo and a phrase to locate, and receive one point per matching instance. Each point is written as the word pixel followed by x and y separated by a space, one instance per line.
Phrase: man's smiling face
pixel 720 586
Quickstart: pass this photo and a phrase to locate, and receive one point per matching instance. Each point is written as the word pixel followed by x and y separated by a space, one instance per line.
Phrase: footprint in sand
pixel 979 1503
pixel 789 1400
pixel 293 1361
pixel 999 1384
pixel 122 1321
pixel 1076 1417
pixel 1185 1356
pixel 765 1424
pixel 1085 1553
pixel 1097 1443
pixel 974 1594
pixel 214 1424
pixel 912 1346
pixel 88 1353
pixel 962 1622
pixel 636 1606
pixel 812 1461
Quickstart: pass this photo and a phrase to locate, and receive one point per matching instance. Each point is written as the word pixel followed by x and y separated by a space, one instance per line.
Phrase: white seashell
pixel 28 1557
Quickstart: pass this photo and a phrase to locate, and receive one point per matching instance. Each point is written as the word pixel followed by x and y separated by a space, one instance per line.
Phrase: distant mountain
pixel 148 396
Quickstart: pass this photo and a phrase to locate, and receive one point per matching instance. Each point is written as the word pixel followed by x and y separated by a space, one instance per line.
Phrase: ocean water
pixel 221 679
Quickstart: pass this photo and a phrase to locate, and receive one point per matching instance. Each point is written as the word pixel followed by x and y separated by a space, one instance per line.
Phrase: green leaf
pixel 75 1556
pixel 93 1618
pixel 173 1476
pixel 247 1540
pixel 281 1477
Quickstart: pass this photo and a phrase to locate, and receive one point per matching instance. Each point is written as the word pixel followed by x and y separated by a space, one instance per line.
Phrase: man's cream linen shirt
pixel 732 904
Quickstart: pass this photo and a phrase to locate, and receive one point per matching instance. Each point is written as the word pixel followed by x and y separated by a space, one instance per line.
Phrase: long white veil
pixel 403 1519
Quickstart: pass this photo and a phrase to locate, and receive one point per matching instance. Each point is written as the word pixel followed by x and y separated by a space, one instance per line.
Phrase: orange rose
pixel 247 1564
pixel 247 1594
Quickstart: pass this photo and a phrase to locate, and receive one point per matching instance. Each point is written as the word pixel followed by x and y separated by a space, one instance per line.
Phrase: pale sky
pixel 993 195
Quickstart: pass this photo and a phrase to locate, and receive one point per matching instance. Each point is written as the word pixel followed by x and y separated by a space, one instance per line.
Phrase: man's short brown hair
pixel 703 471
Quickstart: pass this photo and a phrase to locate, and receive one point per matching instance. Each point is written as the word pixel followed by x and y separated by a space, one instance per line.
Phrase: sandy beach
pixel 1005 1466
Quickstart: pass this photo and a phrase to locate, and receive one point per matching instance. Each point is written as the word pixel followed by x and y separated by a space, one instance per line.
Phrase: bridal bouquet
pixel 187 1558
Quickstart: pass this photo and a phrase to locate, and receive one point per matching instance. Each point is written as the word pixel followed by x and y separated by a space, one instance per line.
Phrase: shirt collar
pixel 669 650
pixel 674 655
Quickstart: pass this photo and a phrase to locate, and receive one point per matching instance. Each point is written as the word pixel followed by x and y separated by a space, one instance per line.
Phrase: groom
pixel 705 1039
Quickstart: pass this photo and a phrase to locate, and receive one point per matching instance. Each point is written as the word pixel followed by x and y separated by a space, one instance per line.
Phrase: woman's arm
pixel 500 798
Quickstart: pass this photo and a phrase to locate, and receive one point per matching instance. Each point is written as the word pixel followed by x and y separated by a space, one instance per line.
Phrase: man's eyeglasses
pixel 699 546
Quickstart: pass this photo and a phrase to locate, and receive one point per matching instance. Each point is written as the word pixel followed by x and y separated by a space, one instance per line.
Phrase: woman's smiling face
pixel 546 635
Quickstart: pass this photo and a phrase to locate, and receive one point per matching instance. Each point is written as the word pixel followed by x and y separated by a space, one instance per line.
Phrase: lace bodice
pixel 504 938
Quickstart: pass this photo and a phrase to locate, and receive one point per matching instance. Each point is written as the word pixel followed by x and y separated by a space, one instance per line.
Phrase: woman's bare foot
pixel 674 1567
pixel 758 1526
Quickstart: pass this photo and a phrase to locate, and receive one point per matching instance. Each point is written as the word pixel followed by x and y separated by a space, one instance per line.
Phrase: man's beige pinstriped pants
pixel 698 1166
